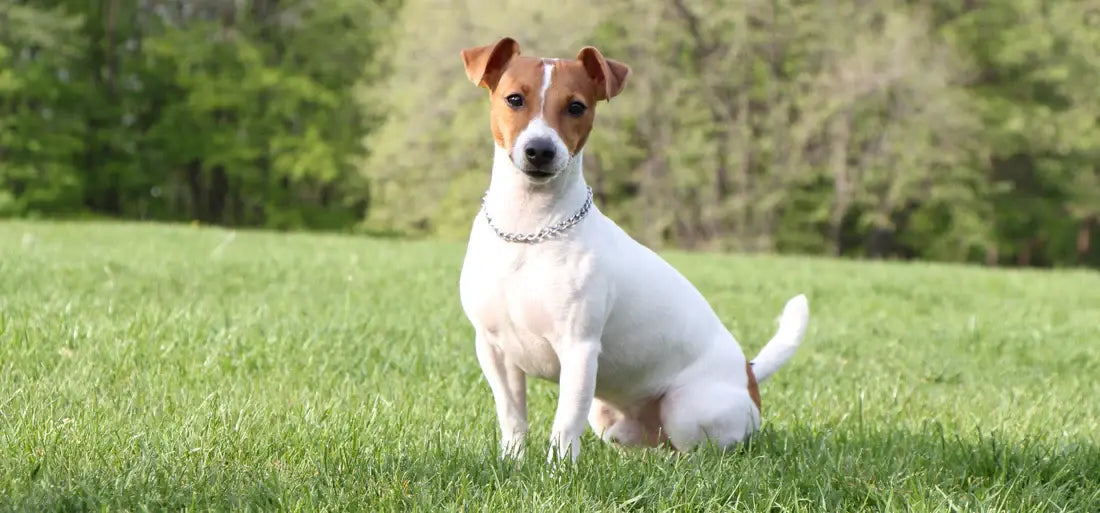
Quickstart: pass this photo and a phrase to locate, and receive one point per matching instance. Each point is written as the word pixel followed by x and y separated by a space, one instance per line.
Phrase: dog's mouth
pixel 539 174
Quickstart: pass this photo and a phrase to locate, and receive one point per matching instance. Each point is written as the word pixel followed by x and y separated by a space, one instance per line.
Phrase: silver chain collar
pixel 544 234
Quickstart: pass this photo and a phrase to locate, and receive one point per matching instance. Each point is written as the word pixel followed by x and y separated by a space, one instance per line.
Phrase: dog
pixel 557 291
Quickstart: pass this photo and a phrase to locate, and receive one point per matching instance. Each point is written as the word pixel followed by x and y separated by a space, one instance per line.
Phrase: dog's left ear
pixel 485 64
pixel 609 75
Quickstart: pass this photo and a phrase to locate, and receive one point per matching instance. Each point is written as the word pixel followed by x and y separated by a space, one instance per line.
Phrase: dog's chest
pixel 516 297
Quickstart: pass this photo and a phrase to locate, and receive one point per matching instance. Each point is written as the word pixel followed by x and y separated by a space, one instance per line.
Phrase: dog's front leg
pixel 576 388
pixel 509 386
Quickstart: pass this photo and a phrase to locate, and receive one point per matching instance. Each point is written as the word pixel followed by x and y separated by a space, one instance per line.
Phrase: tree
pixel 1040 67
pixel 201 109
pixel 39 132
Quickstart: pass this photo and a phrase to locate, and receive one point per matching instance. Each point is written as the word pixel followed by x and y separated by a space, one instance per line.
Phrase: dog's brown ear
pixel 485 64
pixel 609 75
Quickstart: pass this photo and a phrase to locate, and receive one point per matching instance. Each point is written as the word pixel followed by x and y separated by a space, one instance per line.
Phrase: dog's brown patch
pixel 523 76
pixel 754 390
pixel 485 64
pixel 649 416
pixel 609 76
pixel 569 82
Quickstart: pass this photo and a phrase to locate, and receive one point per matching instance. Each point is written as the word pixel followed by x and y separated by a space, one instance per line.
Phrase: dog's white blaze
pixel 547 69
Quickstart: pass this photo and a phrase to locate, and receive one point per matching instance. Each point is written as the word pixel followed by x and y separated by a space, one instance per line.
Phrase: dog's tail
pixel 792 326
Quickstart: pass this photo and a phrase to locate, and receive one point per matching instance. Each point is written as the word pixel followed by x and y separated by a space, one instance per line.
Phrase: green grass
pixel 162 368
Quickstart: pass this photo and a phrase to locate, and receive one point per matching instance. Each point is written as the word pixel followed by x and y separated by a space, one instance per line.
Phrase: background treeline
pixel 234 112
pixel 960 130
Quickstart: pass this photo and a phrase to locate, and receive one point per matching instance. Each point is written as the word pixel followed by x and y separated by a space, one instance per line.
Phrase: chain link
pixel 544 234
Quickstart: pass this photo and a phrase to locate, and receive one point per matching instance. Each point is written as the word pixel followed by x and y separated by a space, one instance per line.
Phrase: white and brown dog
pixel 556 290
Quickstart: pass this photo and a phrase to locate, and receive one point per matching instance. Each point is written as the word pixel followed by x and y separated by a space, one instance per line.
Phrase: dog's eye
pixel 514 100
pixel 576 109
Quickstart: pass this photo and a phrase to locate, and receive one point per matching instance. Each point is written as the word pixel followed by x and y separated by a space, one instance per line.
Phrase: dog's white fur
pixel 611 321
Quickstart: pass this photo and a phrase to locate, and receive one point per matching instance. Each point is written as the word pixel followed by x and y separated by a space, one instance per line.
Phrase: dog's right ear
pixel 485 64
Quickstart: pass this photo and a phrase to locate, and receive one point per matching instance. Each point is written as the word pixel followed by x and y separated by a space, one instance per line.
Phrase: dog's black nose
pixel 539 152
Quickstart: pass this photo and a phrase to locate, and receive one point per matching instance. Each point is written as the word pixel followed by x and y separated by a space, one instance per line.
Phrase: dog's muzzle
pixel 538 156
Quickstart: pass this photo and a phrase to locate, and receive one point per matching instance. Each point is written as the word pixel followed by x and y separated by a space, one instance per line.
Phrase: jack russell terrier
pixel 557 291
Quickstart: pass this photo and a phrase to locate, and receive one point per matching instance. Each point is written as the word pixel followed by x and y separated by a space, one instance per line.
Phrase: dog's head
pixel 542 109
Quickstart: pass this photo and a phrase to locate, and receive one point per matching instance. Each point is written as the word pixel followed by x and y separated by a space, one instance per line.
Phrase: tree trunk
pixel 992 256
pixel 743 186
pixel 839 135
pixel 218 192
pixel 1024 258
pixel 1084 236
pixel 111 57
pixel 193 176
pixel 879 242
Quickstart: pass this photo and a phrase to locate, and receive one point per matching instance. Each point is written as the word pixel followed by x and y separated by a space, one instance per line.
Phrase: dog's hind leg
pixel 611 424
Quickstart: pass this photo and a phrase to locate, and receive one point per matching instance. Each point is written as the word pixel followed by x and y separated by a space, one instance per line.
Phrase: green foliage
pixel 961 131
pixel 39 99
pixel 226 113
pixel 1037 96
pixel 178 368
pixel 254 125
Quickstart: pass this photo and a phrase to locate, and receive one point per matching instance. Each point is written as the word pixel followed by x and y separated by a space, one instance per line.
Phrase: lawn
pixel 175 367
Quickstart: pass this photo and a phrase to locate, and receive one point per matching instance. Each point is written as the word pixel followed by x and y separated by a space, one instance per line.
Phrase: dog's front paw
pixel 563 448
pixel 512 449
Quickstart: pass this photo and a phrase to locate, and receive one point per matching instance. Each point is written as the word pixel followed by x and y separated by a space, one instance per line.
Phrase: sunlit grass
pixel 167 368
